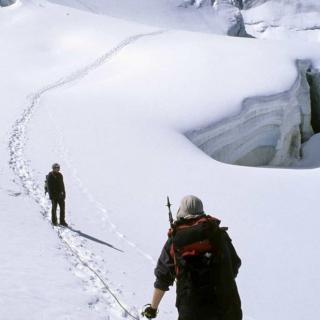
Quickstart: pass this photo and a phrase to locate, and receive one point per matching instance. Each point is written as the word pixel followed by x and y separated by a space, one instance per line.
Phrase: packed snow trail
pixel 87 268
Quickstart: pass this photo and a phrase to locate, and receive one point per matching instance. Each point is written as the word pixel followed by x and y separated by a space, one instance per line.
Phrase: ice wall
pixel 247 4
pixel 229 10
pixel 314 83
pixel 269 130
pixel 5 3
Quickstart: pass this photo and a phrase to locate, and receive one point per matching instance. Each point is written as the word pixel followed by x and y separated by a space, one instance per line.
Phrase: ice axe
pixel 170 213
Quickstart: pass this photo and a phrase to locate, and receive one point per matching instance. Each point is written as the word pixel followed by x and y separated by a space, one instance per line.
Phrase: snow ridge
pixel 86 266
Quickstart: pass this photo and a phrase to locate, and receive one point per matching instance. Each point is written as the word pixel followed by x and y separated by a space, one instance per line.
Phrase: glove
pixel 149 312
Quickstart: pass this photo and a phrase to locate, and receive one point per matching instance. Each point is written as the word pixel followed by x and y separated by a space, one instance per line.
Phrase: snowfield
pixel 113 97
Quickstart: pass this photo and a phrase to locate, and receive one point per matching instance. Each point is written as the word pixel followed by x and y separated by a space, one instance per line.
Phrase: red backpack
pixel 193 237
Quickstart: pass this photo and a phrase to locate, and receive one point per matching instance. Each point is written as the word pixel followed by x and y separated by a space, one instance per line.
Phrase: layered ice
pixel 270 129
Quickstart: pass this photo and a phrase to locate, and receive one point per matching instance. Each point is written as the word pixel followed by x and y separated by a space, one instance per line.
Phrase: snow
pixel 111 99
pixel 34 272
pixel 273 19
pixel 268 130
pixel 165 14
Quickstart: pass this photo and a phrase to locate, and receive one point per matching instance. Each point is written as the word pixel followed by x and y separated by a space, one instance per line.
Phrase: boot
pixel 63 223
pixel 62 214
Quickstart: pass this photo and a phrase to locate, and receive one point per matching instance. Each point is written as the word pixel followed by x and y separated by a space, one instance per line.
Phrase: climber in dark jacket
pixel 215 299
pixel 57 194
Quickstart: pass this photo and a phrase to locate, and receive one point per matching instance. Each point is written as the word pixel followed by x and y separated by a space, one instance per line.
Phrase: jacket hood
pixel 190 207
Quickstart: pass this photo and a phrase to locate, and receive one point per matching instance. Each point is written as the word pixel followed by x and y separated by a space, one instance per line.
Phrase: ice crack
pixel 269 130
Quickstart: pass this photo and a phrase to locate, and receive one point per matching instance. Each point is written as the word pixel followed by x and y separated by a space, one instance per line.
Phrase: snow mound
pixel 268 130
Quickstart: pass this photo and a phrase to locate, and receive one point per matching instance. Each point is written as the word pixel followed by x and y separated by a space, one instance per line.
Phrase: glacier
pixel 269 130
pixel 117 128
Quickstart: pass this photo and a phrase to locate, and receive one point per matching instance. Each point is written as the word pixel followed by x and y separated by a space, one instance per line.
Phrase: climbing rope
pixel 105 285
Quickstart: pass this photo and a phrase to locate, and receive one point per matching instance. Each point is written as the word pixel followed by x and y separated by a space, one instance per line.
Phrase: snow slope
pixel 199 15
pixel 113 108
pixel 163 13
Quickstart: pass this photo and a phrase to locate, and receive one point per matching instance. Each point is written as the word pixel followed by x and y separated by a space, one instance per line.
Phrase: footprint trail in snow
pixel 85 262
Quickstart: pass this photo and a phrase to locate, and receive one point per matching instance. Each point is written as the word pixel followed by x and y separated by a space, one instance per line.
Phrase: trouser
pixel 55 203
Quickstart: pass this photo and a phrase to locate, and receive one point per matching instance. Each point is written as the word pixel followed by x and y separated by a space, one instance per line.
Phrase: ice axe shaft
pixel 170 213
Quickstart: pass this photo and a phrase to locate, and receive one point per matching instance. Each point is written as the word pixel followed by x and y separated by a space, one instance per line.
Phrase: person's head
pixel 56 167
pixel 190 206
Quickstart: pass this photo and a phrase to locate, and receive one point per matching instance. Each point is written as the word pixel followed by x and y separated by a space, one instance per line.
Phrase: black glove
pixel 149 312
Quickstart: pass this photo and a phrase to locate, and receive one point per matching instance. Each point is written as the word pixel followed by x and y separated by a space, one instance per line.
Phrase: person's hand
pixel 149 312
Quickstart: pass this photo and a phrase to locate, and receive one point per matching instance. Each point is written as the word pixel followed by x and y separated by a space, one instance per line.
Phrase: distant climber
pixel 200 256
pixel 54 185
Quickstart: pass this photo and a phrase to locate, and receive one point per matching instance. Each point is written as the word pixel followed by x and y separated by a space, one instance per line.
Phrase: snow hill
pixel 138 100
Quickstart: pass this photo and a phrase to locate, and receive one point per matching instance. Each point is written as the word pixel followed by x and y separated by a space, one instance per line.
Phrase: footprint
pixel 14 193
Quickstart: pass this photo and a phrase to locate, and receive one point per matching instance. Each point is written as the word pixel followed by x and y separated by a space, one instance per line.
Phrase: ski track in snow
pixel 85 263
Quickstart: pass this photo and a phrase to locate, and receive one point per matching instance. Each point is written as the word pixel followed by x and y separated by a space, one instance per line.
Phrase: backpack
pixel 192 238
pixel 195 251
pixel 46 187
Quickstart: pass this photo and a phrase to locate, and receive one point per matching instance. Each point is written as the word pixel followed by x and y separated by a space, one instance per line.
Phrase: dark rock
pixel 6 3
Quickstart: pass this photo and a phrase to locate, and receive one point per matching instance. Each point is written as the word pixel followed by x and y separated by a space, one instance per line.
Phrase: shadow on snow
pixel 84 235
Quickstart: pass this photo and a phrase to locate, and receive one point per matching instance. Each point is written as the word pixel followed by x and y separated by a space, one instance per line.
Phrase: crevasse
pixel 269 130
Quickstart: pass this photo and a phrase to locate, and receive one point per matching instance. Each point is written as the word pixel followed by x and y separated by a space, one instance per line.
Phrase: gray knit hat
pixel 190 206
